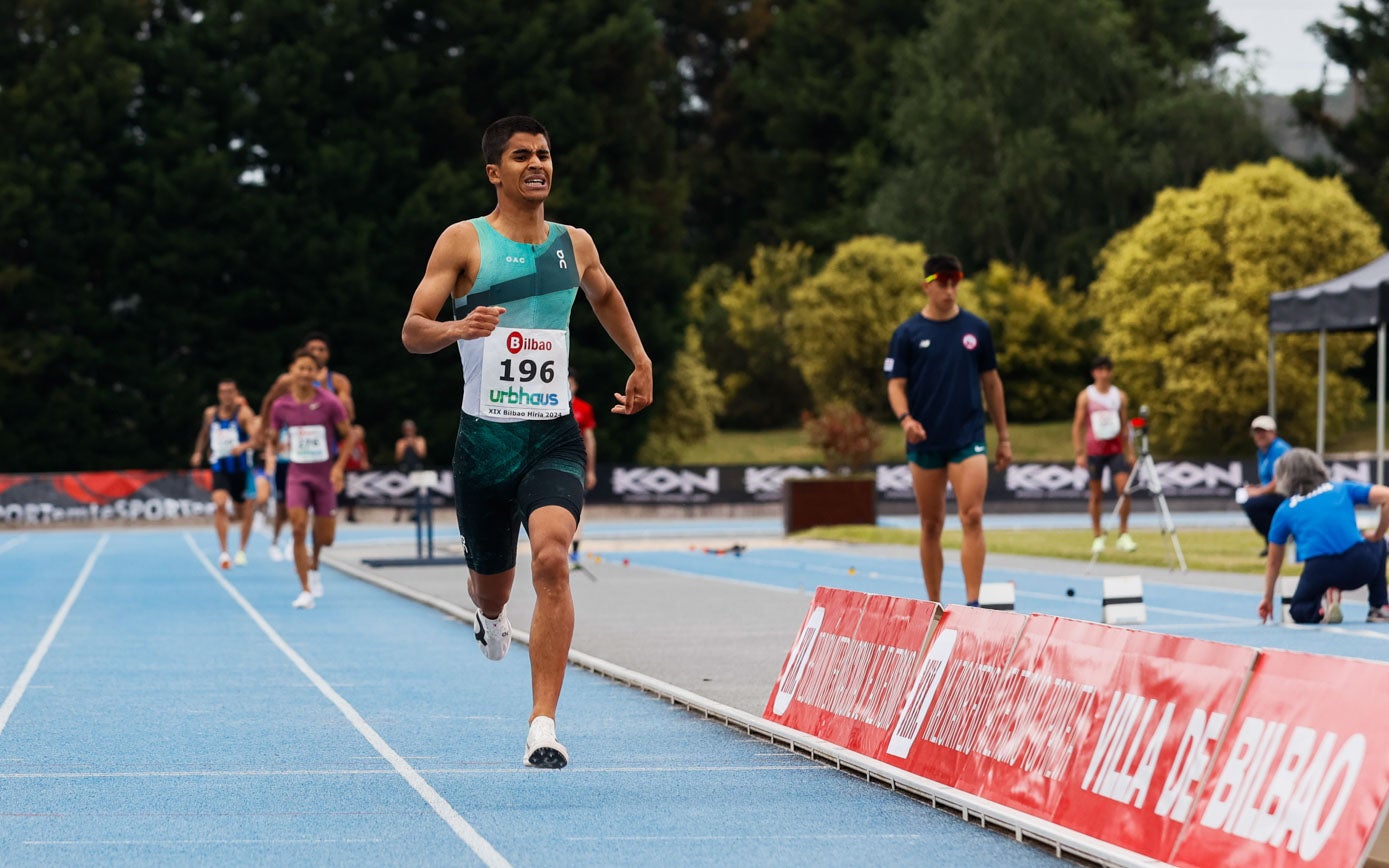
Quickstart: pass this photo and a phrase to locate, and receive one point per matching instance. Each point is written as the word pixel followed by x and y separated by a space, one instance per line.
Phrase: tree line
pixel 188 188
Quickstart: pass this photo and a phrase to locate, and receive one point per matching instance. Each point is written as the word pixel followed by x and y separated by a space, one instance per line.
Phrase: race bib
pixel 308 444
pixel 525 374
pixel 1105 424
pixel 224 440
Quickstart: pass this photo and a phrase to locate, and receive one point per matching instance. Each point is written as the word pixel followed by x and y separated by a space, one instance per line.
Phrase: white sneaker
pixel 1125 543
pixel 494 637
pixel 275 554
pixel 288 549
pixel 1097 546
pixel 316 583
pixel 543 750
pixel 224 561
pixel 240 559
pixel 304 600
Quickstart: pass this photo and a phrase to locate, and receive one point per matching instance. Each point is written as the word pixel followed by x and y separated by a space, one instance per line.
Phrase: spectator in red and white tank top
pixel 1100 435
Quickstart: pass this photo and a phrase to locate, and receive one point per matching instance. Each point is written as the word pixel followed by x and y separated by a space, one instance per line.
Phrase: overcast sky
pixel 1291 58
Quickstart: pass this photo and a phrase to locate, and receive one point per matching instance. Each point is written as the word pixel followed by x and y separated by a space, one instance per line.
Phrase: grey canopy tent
pixel 1357 301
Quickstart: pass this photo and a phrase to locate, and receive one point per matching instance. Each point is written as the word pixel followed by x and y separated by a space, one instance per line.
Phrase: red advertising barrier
pixel 1174 749
pixel 851 661
pixel 936 724
pixel 1302 777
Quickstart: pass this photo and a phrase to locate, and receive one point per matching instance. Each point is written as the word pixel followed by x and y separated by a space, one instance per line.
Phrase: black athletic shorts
pixel 1116 463
pixel 504 471
pixel 232 482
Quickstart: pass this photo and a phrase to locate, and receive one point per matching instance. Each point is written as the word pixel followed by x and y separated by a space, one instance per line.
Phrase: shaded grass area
pixel 1221 550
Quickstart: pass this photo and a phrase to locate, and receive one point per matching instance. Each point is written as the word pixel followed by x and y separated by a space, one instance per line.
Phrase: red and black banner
pixel 129 495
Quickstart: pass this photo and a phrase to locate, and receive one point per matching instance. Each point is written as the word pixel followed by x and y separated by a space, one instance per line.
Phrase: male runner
pixel 317 423
pixel 335 382
pixel 1100 435
pixel 519 458
pixel 225 434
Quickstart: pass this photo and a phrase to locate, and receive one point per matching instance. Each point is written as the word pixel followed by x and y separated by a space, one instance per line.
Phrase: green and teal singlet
pixel 537 284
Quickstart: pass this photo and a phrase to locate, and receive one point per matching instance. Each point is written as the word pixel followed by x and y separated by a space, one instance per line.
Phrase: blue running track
pixel 155 710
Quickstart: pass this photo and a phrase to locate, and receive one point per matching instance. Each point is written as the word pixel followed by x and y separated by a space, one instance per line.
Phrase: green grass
pixel 1230 551
pixel 1041 441
pixel 1032 441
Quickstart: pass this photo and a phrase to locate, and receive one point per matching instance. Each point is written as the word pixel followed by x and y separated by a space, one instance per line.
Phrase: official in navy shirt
pixel 1336 556
pixel 937 365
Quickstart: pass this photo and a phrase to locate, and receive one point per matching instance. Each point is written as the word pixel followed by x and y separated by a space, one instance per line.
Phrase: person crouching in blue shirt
pixel 1320 516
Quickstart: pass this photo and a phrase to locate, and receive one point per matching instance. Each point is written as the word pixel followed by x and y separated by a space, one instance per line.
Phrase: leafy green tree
pixel 763 385
pixel 1183 297
pixel 1034 129
pixel 792 120
pixel 185 192
pixel 1362 142
pixel 842 318
pixel 1044 338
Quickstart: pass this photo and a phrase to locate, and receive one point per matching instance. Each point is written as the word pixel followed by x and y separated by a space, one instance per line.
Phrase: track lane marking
pixel 470 836
pixel 22 683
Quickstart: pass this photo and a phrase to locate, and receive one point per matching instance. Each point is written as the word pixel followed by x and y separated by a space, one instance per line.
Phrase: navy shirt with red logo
pixel 942 361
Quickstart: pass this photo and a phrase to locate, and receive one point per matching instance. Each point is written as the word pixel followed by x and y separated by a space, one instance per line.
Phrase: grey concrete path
pixel 725 641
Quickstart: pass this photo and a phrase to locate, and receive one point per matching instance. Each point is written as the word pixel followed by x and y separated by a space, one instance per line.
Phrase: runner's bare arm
pixel 897 398
pixel 347 440
pixel 277 388
pixel 244 418
pixel 992 385
pixel 1078 428
pixel 344 390
pixel 450 273
pixel 200 444
pixel 611 310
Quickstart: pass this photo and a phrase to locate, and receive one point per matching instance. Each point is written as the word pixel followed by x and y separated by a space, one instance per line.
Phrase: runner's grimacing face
pixel 525 170
pixel 303 372
pixel 226 395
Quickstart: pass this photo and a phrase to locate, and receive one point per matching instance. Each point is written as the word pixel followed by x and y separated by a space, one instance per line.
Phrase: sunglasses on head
pixel 946 277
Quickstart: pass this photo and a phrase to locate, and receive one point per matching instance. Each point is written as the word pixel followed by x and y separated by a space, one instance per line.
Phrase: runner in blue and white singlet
pixel 225 436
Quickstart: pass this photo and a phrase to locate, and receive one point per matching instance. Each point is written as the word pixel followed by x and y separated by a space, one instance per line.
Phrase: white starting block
pixel 1287 586
pixel 1123 600
pixel 997 595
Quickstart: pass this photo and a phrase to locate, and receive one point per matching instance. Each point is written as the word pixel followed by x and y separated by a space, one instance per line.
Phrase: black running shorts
pixel 504 471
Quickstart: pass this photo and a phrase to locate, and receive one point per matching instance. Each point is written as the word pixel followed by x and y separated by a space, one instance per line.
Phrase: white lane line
pixel 12 543
pixel 758 837
pixel 167 842
pixel 17 691
pixel 489 771
pixel 479 845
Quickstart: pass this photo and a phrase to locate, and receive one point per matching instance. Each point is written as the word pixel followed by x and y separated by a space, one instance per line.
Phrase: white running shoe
pixel 543 750
pixel 304 600
pixel 1097 546
pixel 224 561
pixel 494 637
pixel 240 559
pixel 316 583
pixel 276 555
pixel 288 549
pixel 1125 543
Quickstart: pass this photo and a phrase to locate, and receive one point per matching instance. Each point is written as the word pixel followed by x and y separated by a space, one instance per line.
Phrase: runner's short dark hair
pixel 500 132
pixel 941 262
pixel 1102 361
pixel 316 336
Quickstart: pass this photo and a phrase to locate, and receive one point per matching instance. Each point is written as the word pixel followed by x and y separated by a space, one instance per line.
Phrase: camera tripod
pixel 1146 470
